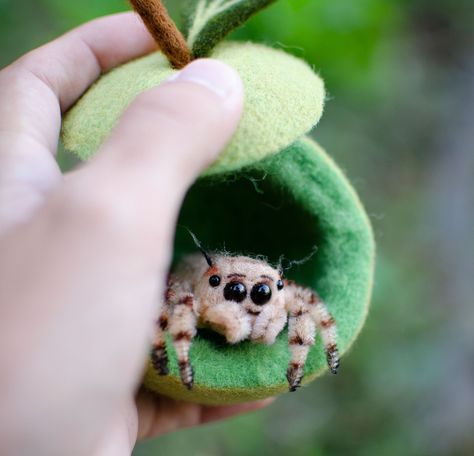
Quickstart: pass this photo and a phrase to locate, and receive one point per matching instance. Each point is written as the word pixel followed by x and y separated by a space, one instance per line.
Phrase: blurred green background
pixel 399 121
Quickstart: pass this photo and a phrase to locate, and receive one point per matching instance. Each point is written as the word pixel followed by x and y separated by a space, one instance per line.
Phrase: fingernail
pixel 212 74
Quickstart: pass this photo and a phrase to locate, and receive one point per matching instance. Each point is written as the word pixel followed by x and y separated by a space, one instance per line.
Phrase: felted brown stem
pixel 164 31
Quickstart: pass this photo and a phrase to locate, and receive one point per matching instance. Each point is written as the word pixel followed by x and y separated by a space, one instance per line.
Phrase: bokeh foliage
pixel 400 78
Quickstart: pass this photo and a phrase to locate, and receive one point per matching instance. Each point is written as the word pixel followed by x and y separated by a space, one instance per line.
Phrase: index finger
pixel 159 415
pixel 37 88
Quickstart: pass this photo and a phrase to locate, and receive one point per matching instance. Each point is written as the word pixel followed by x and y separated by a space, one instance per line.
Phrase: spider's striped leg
pixel 327 325
pixel 182 327
pixel 159 357
pixel 301 331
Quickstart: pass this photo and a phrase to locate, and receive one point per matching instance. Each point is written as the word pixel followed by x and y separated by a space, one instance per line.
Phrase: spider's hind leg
pixel 301 333
pixel 306 312
pixel 327 325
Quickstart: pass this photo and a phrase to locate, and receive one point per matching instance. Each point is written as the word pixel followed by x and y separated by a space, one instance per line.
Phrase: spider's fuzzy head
pixel 249 282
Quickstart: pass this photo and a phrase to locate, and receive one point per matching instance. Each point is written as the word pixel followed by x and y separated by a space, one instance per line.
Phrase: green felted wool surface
pixel 284 204
pixel 209 21
pixel 283 101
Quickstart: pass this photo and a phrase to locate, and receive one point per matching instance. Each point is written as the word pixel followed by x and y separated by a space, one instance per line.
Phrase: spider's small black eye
pixel 214 281
pixel 280 284
pixel 235 291
pixel 261 293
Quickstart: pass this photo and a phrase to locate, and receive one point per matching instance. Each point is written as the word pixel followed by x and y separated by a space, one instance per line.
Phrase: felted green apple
pixel 295 197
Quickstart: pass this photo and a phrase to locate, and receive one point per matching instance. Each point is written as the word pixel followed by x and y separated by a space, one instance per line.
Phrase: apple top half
pixel 284 99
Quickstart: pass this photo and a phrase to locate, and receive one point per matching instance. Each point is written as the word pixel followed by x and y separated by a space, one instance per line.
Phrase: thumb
pixel 163 141
pixel 176 130
pixel 95 259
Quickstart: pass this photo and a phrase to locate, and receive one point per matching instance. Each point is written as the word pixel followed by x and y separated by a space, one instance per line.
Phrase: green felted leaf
pixel 284 100
pixel 287 203
pixel 209 21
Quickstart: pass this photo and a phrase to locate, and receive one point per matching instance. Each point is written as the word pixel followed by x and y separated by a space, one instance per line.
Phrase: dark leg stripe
pixel 297 340
pixel 186 373
pixel 159 360
pixel 163 322
pixel 327 323
pixel 294 375
pixel 182 335
pixel 169 294
pixel 187 300
pixel 301 312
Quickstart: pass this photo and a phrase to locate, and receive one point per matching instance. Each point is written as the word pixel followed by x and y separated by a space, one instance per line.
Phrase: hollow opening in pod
pixel 288 204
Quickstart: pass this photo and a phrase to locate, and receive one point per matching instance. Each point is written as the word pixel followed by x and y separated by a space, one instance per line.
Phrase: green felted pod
pixel 272 192
pixel 284 204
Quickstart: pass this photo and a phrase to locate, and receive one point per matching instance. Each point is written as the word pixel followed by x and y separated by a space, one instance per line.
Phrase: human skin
pixel 83 256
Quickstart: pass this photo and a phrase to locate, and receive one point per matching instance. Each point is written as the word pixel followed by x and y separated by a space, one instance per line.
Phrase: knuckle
pixel 90 210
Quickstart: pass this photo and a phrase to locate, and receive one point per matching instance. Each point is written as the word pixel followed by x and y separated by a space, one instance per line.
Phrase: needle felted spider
pixel 240 298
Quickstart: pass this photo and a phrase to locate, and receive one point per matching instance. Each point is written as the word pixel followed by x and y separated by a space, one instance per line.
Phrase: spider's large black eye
pixel 261 293
pixel 214 281
pixel 235 291
pixel 280 284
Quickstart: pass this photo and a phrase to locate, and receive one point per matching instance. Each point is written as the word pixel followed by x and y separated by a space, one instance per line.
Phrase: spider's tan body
pixel 240 298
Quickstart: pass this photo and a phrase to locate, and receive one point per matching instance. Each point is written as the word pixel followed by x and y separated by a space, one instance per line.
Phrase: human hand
pixel 84 256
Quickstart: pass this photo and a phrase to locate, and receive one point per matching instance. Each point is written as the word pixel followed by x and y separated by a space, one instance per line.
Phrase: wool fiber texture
pixel 269 193
pixel 209 21
pixel 241 298
pixel 210 302
pixel 283 100
pixel 164 31
pixel 284 204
